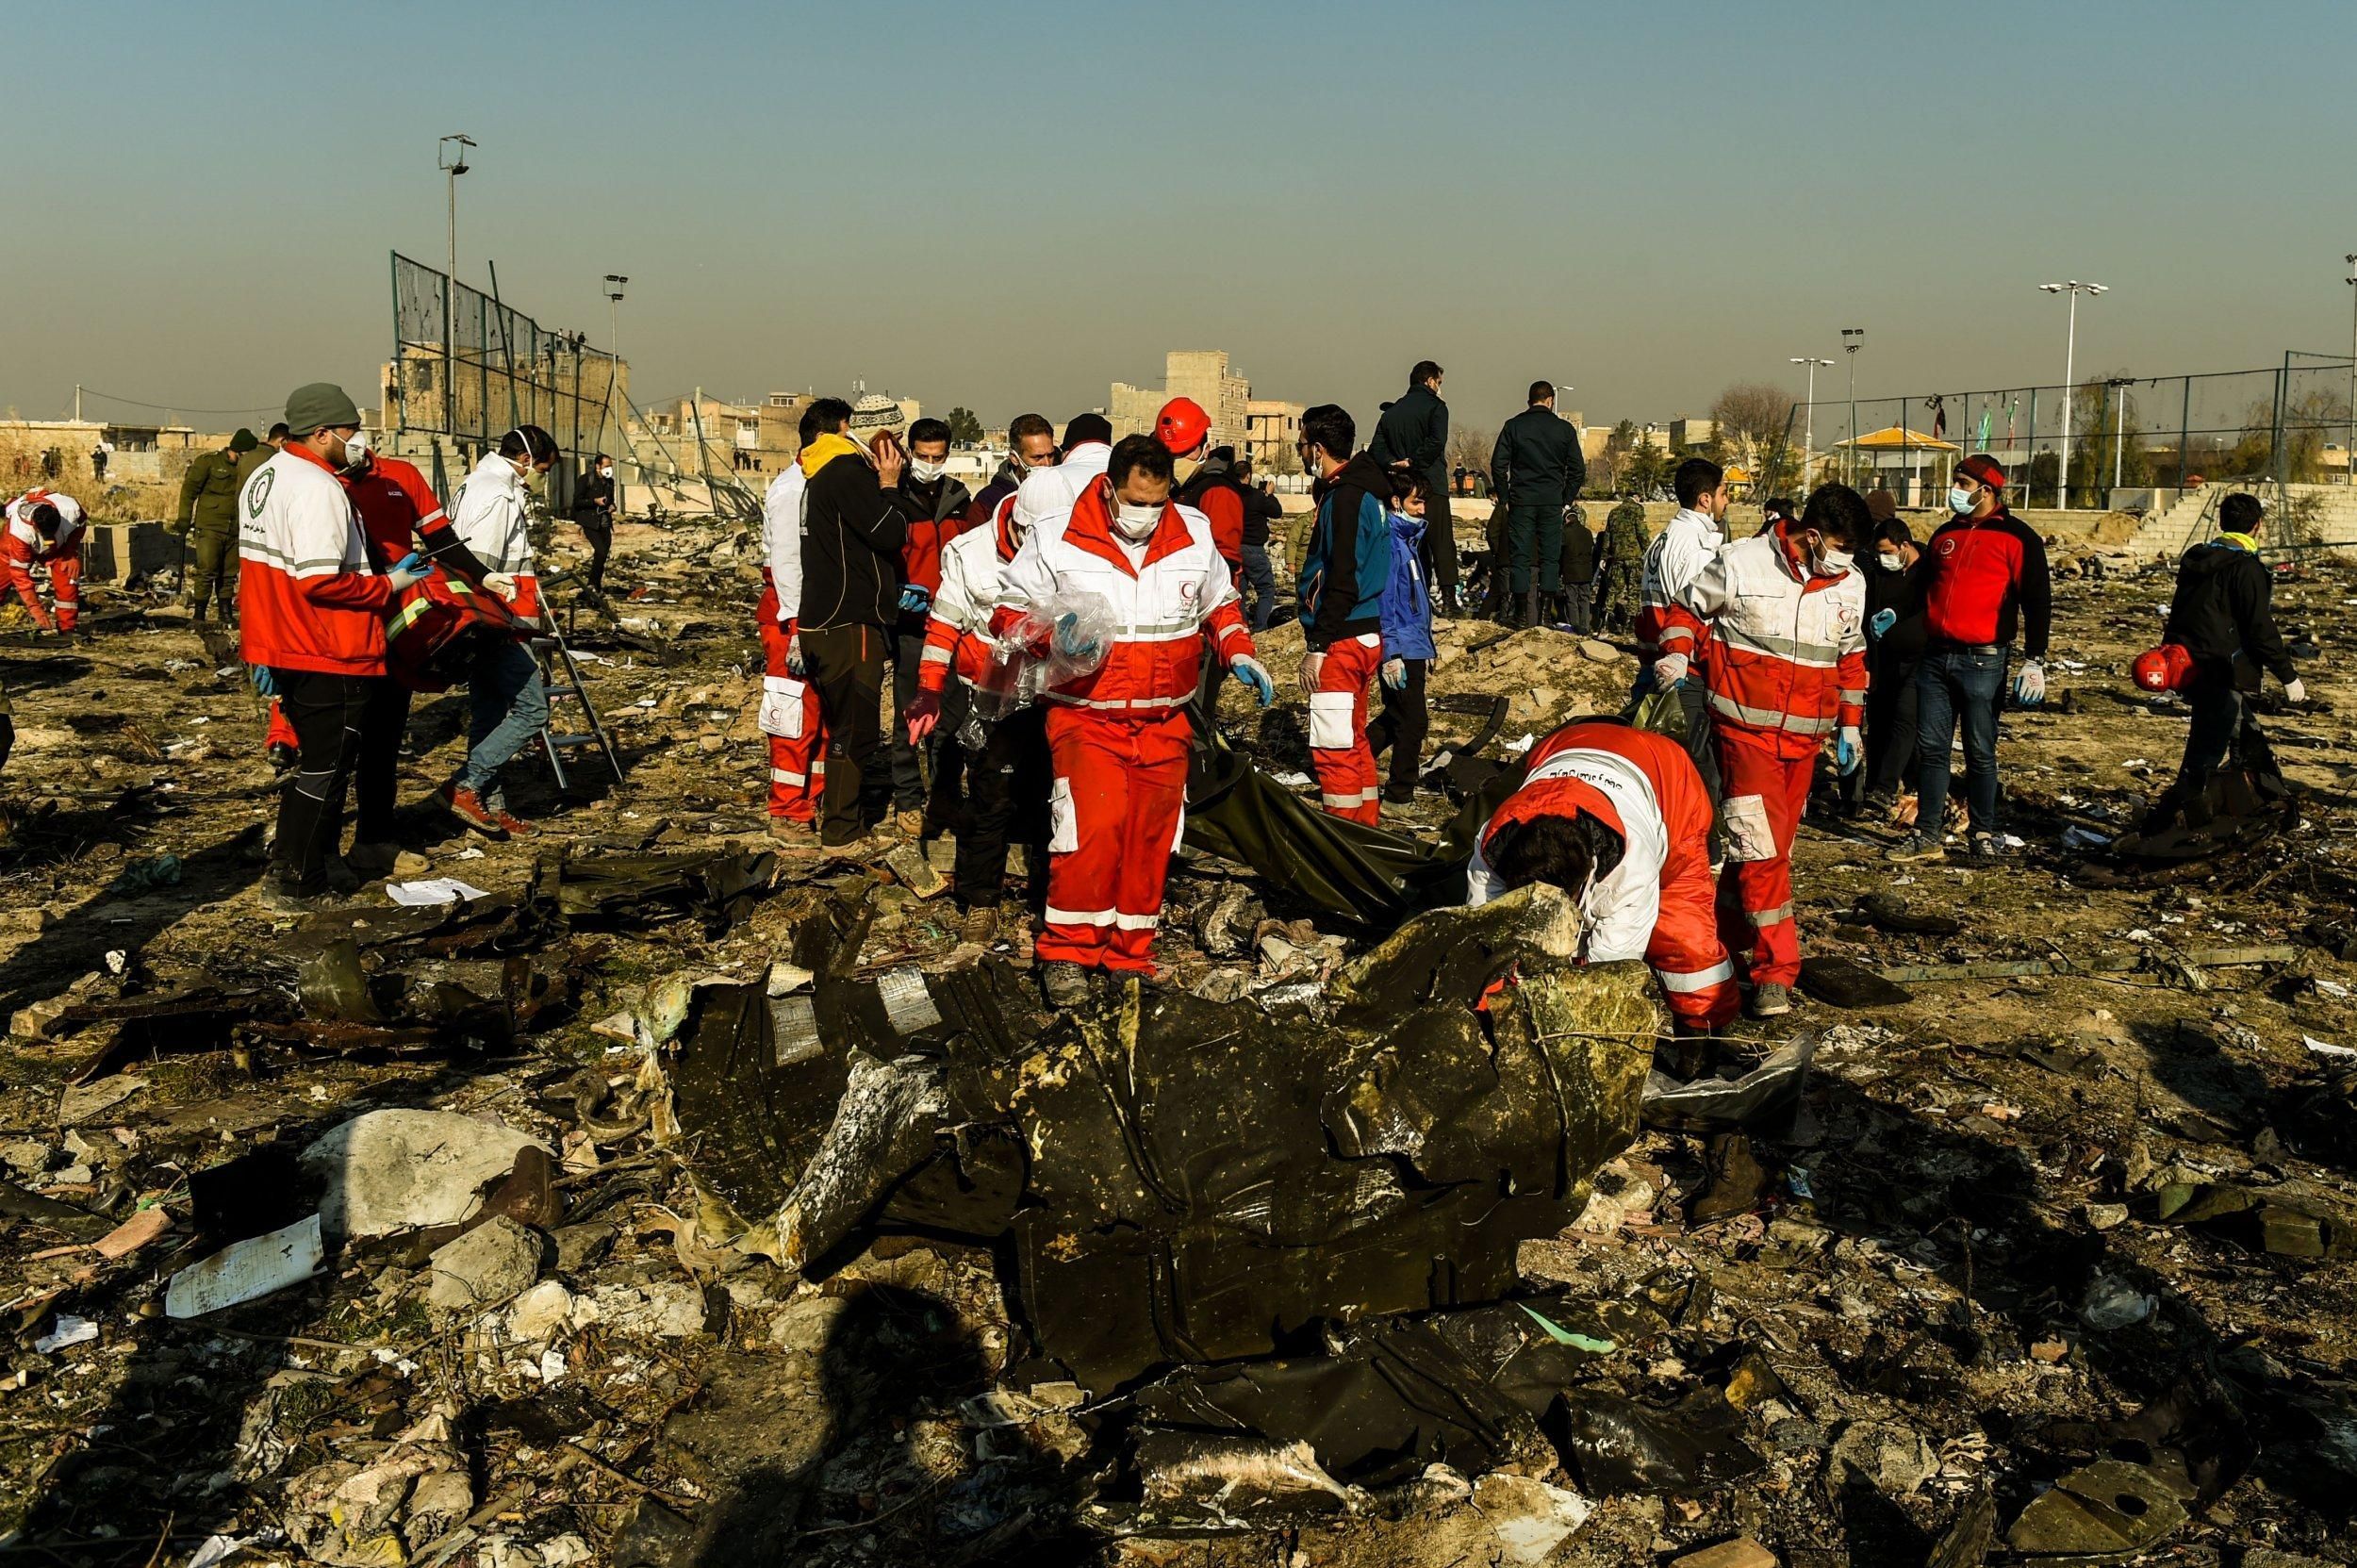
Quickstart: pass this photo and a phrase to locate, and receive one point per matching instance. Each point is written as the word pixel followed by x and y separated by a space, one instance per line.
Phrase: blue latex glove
pixel 1249 671
pixel 1846 751
pixel 795 664
pixel 1071 641
pixel 1882 624
pixel 914 600
pixel 265 683
pixel 415 562
pixel 1395 674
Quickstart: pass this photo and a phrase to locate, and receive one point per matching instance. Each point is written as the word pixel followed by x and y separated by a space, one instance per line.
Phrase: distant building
pixel 1272 427
pixel 1202 374
pixel 1693 434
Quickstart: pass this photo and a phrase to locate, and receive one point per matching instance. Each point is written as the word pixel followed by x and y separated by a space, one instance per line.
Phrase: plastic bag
pixel 1031 656
pixel 1661 711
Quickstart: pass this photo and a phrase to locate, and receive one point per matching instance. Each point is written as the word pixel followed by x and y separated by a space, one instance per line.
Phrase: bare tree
pixel 1748 423
pixel 1469 448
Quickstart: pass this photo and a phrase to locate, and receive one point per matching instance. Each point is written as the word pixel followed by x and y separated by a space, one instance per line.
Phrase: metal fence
pixel 2082 447
pixel 469 367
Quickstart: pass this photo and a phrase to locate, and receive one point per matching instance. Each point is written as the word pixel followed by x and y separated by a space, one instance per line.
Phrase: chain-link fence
pixel 467 367
pixel 2109 441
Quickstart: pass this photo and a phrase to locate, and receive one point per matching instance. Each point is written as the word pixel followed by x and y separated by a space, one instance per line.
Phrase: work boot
pixel 1399 794
pixel 513 825
pixel 980 925
pixel 341 878
pixel 468 808
pixel 909 823
pixel 1064 986
pixel 1987 846
pixel 282 897
pixel 1769 1000
pixel 281 756
pixel 1917 847
pixel 371 861
pixel 793 834
pixel 1530 608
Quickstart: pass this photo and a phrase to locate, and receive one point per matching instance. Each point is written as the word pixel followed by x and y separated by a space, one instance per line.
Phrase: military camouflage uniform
pixel 1623 571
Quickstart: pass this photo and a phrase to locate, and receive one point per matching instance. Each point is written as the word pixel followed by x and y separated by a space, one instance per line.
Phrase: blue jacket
pixel 1348 562
pixel 1406 609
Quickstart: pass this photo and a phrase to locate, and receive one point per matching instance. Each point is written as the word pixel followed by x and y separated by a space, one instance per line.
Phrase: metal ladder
pixel 562 677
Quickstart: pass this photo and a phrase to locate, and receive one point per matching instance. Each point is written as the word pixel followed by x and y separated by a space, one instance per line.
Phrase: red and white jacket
pixel 21 547
pixel 1784 657
pixel 307 598
pixel 782 546
pixel 1163 596
pixel 957 631
pixel 1674 563
pixel 1659 902
pixel 490 517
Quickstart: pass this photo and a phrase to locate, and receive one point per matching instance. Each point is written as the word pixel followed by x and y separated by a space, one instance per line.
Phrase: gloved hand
pixel 1668 669
pixel 1253 673
pixel 1437 599
pixel 794 665
pixel 497 582
pixel 914 600
pixel 1310 665
pixel 1070 641
pixel 923 713
pixel 2295 690
pixel 265 683
pixel 1849 750
pixel 177 528
pixel 1395 674
pixel 1882 622
pixel 43 626
pixel 2029 687
pixel 416 562
pixel 404 575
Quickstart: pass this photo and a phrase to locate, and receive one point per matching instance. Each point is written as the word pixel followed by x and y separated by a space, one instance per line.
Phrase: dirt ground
pixel 1953 1269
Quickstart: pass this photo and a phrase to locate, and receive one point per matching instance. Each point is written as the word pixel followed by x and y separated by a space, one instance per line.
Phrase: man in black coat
pixel 1537 467
pixel 593 514
pixel 1579 571
pixel 1412 435
pixel 2220 616
pixel 854 522
pixel 1894 645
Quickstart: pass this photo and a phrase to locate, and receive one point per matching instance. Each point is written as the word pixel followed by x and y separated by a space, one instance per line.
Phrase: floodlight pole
pixel 2120 386
pixel 1853 339
pixel 450 155
pixel 2348 453
pixel 2070 351
pixel 1809 420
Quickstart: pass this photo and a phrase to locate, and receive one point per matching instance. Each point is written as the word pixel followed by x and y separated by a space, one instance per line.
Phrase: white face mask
pixel 356 448
pixel 1835 562
pixel 1135 523
pixel 1890 559
pixel 923 471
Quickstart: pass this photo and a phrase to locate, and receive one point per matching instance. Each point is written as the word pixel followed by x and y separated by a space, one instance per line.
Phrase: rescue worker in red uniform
pixel 1345 567
pixel 789 703
pixel 1619 819
pixel 45 528
pixel 1779 620
pixel 1144 572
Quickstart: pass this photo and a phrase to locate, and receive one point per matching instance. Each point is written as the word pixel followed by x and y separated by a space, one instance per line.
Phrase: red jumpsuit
pixel 1784 659
pixel 1657 901
pixel 1119 736
pixel 798 762
pixel 23 548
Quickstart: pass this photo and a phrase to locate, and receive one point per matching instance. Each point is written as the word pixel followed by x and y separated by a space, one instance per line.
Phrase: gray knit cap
pixel 321 403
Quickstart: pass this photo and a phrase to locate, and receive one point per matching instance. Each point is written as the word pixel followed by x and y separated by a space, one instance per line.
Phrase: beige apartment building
pixel 1202 374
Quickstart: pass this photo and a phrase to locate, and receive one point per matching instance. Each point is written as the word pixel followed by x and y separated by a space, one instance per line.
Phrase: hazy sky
pixel 1010 204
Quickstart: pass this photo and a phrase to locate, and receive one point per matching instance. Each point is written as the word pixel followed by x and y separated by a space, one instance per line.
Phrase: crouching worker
pixel 1118 734
pixel 1619 819
pixel 45 529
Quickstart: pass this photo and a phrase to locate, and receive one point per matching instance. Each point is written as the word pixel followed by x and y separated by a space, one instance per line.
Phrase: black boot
pixel 1530 608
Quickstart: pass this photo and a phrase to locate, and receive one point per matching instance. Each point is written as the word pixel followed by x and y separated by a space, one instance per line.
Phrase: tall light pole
pixel 1853 339
pixel 2349 463
pixel 2070 384
pixel 1809 420
pixel 613 282
pixel 450 155
pixel 2120 385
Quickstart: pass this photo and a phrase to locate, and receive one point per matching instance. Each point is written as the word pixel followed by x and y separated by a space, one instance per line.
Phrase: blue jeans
pixel 1950 684
pixel 510 709
pixel 1261 577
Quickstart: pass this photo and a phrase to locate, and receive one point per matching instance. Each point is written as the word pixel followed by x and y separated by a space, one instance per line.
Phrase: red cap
pixel 1181 426
pixel 1983 469
pixel 2164 669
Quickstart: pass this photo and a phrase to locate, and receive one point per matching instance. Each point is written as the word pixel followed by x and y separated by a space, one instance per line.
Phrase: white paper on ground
pixel 2326 1047
pixel 68 1329
pixel 246 1271
pixel 433 890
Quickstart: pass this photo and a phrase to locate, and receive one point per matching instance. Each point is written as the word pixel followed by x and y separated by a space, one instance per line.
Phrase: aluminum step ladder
pixel 562 677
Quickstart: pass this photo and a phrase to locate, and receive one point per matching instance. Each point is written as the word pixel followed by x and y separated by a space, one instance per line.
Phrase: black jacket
pixel 1902 646
pixel 852 530
pixel 1537 461
pixel 593 498
pixel 1260 508
pixel 2220 616
pixel 1579 551
pixel 942 498
pixel 1414 430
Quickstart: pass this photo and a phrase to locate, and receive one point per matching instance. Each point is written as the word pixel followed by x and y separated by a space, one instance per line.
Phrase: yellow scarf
pixel 825 450
pixel 2240 541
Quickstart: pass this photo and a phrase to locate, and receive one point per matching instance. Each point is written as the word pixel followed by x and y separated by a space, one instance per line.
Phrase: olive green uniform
pixel 208 516
pixel 1623 571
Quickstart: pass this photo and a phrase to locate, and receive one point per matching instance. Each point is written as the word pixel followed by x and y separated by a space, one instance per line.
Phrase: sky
pixel 1011 205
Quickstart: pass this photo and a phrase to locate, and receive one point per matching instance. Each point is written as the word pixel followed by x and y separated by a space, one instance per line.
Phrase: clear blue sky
pixel 1010 206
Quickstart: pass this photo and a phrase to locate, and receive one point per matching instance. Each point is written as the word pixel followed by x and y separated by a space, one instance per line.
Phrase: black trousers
pixel 376 774
pixel 328 712
pixel 1440 541
pixel 847 665
pixel 943 802
pixel 1007 785
pixel 2223 727
pixel 1890 723
pixel 1402 725
pixel 599 531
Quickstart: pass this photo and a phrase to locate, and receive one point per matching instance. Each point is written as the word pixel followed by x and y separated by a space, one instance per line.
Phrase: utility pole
pixel 1809 420
pixel 613 282
pixel 2348 453
pixel 2070 351
pixel 2120 385
pixel 1853 339
pixel 450 155
pixel 78 402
